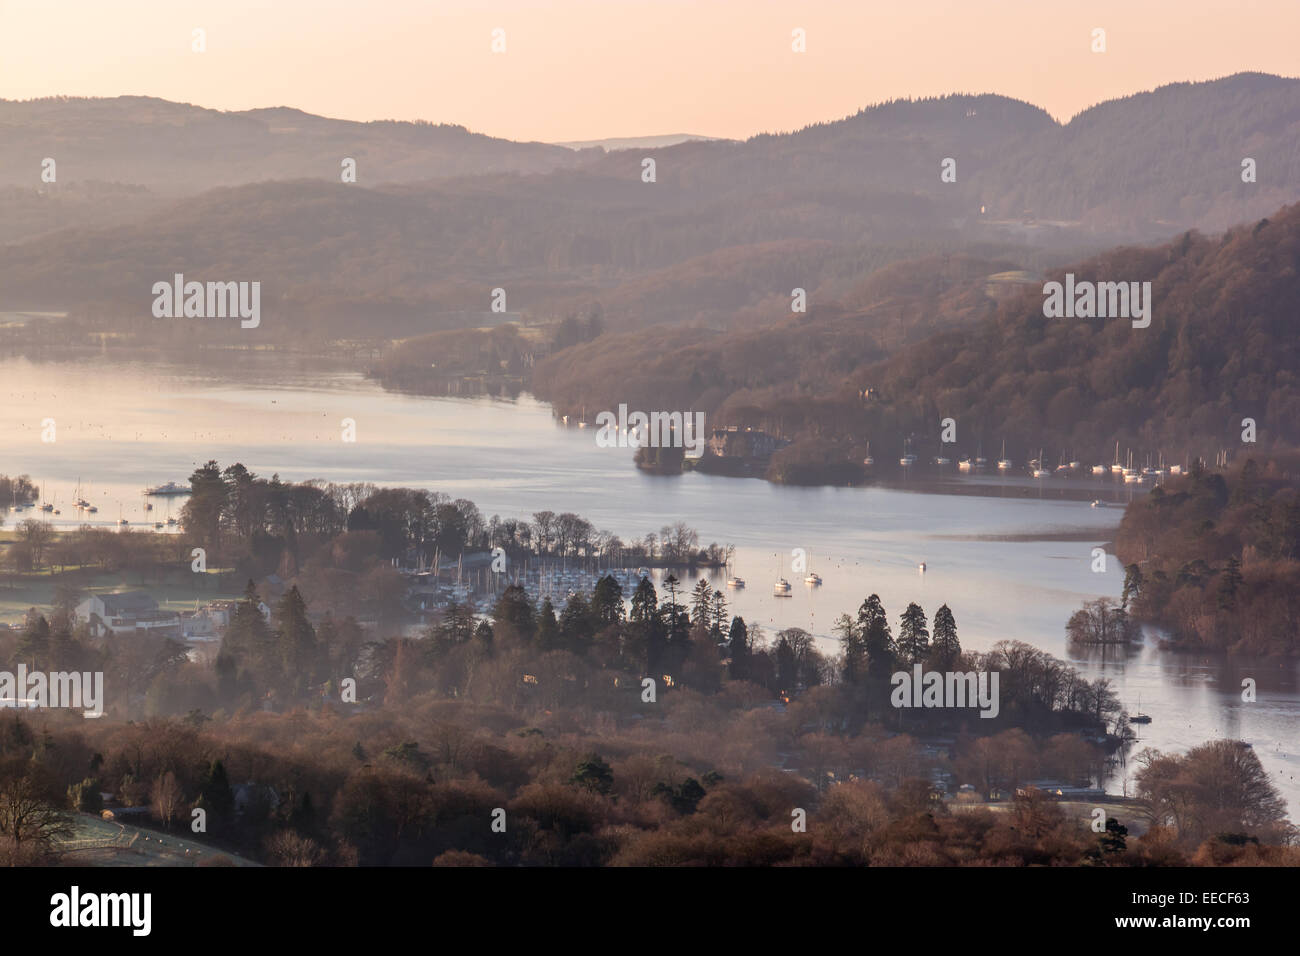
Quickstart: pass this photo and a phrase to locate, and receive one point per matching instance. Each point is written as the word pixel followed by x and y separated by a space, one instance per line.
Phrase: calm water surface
pixel 124 424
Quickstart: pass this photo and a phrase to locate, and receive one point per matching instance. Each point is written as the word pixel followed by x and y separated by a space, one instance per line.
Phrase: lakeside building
pixel 732 441
pixel 127 612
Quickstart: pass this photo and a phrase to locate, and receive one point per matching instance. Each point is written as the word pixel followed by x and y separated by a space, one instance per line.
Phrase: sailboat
pixel 1117 468
pixel 1038 470
pixel 1139 717
pixel 813 579
pixel 908 459
pixel 460 593
pixel 735 582
pixel 782 587
pixel 1004 463
pixel 1131 477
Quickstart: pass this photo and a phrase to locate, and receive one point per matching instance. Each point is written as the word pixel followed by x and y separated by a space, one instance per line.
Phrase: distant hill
pixel 1171 156
pixel 566 232
pixel 637 142
pixel 180 148
pixel 786 376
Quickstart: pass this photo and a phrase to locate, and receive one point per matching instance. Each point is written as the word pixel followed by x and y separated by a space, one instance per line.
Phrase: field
pixel 174 589
pixel 98 842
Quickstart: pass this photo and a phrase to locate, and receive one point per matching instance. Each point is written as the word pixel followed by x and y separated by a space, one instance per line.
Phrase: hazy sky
pixel 578 69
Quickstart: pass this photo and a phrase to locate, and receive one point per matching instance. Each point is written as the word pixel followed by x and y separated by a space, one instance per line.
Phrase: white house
pixel 127 612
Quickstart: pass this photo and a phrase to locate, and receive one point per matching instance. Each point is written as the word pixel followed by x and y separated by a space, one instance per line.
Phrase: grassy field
pixel 99 842
pixel 174 589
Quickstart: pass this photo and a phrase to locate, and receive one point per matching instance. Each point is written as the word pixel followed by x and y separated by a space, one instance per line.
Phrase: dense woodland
pixel 1214 558
pixel 336 542
pixel 1221 347
pixel 546 718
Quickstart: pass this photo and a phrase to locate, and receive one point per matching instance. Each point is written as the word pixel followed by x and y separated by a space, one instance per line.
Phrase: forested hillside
pixel 723 231
pixel 1221 347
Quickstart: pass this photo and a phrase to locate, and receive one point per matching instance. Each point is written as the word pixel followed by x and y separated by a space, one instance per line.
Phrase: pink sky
pixel 578 69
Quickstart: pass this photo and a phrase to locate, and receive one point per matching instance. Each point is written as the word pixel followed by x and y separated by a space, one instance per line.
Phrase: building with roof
pixel 127 612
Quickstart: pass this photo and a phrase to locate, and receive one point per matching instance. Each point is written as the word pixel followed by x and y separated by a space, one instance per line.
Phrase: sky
pixel 581 69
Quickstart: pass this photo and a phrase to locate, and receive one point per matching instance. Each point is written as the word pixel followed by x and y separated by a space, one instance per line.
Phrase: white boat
pixel 943 461
pixel 921 566
pixel 965 464
pixel 813 579
pixel 735 583
pixel 1117 468
pixel 1004 463
pixel 908 459
pixel 781 588
pixel 1038 471
pixel 169 489
pixel 1099 469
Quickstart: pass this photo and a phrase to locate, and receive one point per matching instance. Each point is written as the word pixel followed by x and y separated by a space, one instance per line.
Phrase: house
pixel 732 441
pixel 127 612
pixel 209 622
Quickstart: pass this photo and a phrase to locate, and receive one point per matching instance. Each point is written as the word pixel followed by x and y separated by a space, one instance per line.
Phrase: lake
pixel 1012 562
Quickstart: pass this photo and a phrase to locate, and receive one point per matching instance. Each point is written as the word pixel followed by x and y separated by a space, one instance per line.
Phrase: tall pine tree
pixel 913 635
